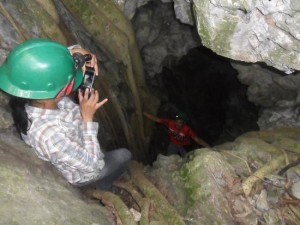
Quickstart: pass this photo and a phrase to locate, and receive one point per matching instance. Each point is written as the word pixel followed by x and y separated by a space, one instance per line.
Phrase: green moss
pixel 82 10
pixel 189 175
pixel 200 23
pixel 204 34
pixel 218 39
pixel 279 54
pixel 221 43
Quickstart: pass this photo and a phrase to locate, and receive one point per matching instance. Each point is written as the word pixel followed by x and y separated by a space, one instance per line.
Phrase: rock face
pixel 182 8
pixel 256 31
pixel 252 31
pixel 32 193
pixel 228 184
pixel 102 28
pixel 209 186
pixel 224 186
pixel 276 94
pixel 162 39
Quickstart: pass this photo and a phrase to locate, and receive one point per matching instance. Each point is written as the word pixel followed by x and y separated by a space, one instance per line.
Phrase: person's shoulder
pixel 188 127
pixel 65 99
pixel 66 102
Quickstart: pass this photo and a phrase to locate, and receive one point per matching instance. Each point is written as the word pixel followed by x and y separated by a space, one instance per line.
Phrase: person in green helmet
pixel 40 75
pixel 180 134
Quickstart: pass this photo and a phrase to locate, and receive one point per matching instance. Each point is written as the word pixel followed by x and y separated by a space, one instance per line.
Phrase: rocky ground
pixel 252 180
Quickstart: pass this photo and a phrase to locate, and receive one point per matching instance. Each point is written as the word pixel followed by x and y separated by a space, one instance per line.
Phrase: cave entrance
pixel 189 77
pixel 205 86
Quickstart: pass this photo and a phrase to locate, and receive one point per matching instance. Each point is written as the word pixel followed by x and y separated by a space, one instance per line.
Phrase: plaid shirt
pixel 61 137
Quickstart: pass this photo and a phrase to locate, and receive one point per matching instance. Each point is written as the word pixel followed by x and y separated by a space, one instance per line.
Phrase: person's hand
pixel 92 63
pixel 88 102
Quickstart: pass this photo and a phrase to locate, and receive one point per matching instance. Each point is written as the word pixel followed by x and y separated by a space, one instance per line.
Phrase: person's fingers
pixel 99 104
pixel 93 98
pixel 93 60
pixel 80 97
pixel 96 96
pixel 92 63
pixel 95 64
pixel 86 94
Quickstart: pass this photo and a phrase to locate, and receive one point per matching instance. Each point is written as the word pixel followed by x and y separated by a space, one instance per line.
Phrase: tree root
pixel 135 194
pixel 132 190
pixel 145 212
pixel 152 205
pixel 288 144
pixel 291 201
pixel 168 213
pixel 280 137
pixel 111 200
pixel 291 215
pixel 275 164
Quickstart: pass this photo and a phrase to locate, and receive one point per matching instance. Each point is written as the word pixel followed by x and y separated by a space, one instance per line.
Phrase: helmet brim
pixel 78 79
pixel 9 87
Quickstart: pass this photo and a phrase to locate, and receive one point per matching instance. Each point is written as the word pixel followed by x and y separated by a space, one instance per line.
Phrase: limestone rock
pixel 163 40
pixel 296 189
pixel 32 193
pixel 182 8
pixel 131 6
pixel 252 31
pixel 276 94
pixel 183 11
pixel 261 202
pixel 3 99
pixel 203 188
pixel 5 118
pixel 196 183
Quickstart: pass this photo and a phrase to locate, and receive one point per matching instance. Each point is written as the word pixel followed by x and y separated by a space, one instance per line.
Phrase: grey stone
pixel 296 189
pixel 275 93
pixel 183 11
pixel 33 193
pixel 162 38
pixel 252 31
pixel 261 202
pixel 5 118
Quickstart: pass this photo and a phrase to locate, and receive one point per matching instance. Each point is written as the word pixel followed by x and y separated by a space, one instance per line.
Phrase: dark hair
pixel 19 113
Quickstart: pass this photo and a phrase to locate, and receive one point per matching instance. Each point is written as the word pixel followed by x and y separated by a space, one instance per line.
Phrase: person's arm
pixel 151 117
pixel 83 153
pixel 201 142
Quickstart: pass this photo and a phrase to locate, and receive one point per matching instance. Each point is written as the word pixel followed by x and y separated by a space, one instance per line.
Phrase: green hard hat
pixel 182 116
pixel 39 69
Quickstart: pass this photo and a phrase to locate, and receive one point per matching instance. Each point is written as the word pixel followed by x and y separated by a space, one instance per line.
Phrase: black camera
pixel 88 79
pixel 89 74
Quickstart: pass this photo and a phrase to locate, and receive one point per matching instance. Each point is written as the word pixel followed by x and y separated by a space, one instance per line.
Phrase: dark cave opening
pixel 192 79
pixel 205 86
